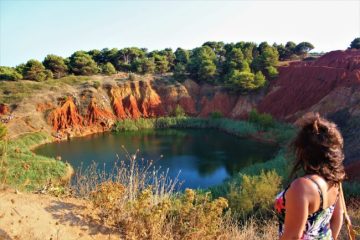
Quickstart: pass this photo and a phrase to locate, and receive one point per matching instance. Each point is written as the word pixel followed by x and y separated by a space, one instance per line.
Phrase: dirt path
pixel 27 216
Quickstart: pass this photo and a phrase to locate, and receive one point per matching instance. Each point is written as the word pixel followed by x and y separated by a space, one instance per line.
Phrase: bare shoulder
pixel 302 186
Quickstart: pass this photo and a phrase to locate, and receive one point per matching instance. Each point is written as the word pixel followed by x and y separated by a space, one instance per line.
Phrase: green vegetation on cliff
pixel 243 66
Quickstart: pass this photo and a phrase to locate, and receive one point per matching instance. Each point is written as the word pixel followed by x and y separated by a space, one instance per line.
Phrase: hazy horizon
pixel 33 29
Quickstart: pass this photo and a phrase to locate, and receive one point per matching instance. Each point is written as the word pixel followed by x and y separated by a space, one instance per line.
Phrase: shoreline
pixel 211 124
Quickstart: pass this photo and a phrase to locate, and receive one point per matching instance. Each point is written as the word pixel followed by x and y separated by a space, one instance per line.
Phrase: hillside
pixel 75 106
pixel 81 105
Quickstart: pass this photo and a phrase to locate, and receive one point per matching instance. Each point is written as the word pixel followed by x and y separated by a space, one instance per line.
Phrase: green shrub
pixel 178 111
pixel 259 80
pixel 56 65
pixel 49 74
pixel 35 70
pixel 108 69
pixel 264 120
pixel 355 44
pixel 96 84
pixel 215 115
pixel 3 131
pixel 81 63
pixel 9 73
pixel 255 194
pixel 272 72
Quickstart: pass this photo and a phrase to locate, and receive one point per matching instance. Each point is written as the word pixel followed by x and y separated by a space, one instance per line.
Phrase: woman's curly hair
pixel 318 149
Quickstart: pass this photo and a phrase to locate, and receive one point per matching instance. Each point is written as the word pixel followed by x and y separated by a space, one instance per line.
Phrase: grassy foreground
pixel 143 204
pixel 23 169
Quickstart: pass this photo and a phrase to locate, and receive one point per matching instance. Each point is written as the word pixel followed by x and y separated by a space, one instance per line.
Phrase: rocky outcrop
pixel 326 85
pixel 66 116
pixel 118 107
pixel 221 102
pixel 135 99
pixel 98 116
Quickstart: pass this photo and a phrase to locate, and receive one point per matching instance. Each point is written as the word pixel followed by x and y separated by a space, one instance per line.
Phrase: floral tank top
pixel 318 223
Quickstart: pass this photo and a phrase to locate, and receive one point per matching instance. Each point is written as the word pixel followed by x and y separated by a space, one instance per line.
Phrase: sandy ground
pixel 28 216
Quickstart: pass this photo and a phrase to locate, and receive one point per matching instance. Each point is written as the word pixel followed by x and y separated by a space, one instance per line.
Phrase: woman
pixel 309 208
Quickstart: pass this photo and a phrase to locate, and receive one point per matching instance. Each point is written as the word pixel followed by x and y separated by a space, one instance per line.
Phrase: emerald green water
pixel 204 157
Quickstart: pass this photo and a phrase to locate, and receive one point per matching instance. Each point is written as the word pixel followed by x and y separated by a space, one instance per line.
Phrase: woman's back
pixel 308 208
pixel 321 201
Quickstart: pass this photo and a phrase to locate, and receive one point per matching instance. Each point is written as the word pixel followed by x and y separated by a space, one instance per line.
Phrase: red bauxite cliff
pixel 327 85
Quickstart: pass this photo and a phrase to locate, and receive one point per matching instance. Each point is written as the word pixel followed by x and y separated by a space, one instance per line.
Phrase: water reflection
pixel 205 157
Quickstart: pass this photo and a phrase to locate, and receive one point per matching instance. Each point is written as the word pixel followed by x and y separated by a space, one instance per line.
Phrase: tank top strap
pixel 319 190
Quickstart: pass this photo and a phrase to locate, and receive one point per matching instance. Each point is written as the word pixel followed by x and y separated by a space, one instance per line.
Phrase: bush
pixel 255 194
pixel 49 74
pixel 272 72
pixel 35 70
pixel 259 80
pixel 197 215
pixel 56 65
pixel 180 72
pixel 96 84
pixel 9 73
pixel 264 120
pixel 108 69
pixel 178 111
pixel 215 115
pixel 81 63
pixel 355 44
pixel 142 202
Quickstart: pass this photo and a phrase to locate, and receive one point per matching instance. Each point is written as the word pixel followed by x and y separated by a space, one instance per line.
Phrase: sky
pixel 32 29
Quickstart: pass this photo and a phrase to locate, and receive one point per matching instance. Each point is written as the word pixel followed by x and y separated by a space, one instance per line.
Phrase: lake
pixel 204 157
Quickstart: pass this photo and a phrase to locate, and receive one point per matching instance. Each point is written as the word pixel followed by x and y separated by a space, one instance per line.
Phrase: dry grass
pixel 251 230
pixel 142 203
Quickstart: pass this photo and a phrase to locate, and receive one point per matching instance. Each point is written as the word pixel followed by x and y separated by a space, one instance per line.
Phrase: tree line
pixel 241 65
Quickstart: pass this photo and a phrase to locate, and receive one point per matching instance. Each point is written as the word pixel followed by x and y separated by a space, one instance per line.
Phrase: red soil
pixel 300 86
pixel 65 116
pixel 221 102
pixel 118 108
pixel 96 115
pixel 42 107
pixel 188 104
pixel 131 107
pixel 151 106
